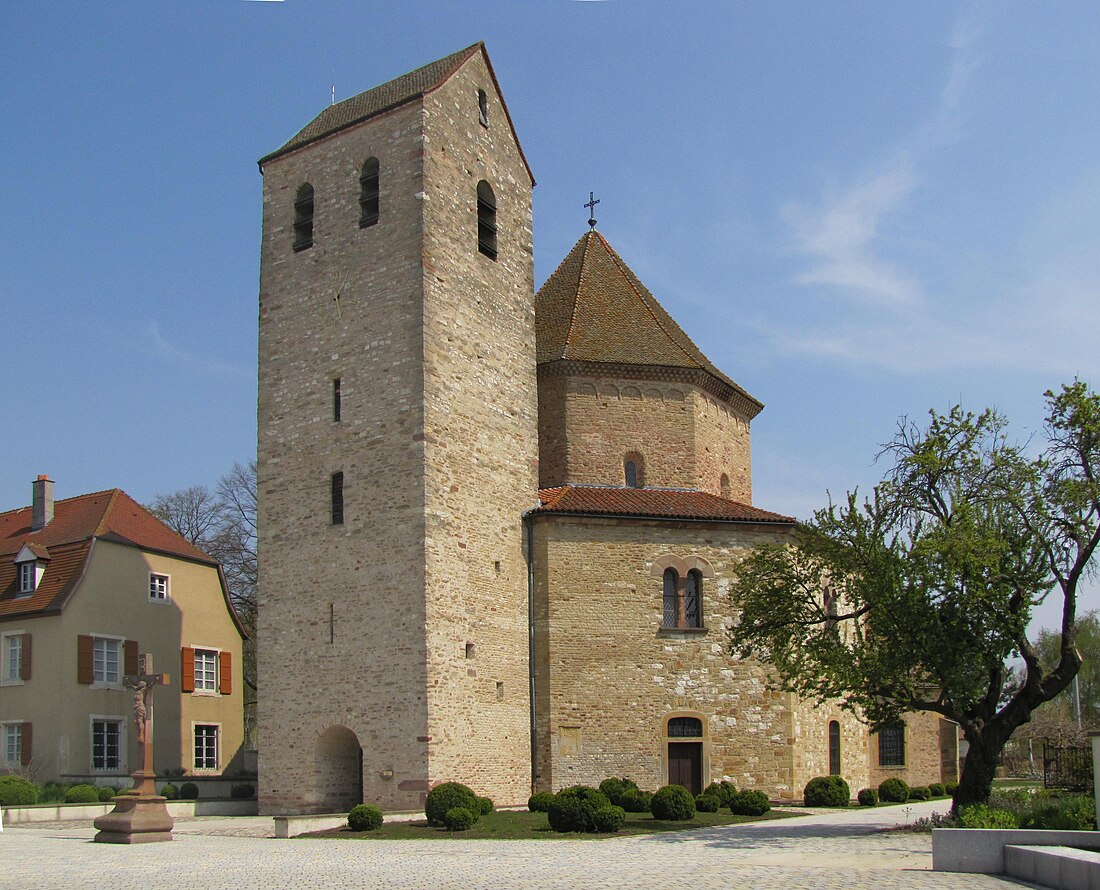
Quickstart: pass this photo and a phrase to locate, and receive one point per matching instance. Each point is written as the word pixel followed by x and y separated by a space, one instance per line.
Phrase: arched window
pixel 685 728
pixel 834 748
pixel 630 470
pixel 724 484
pixel 303 217
pixel 693 596
pixel 483 108
pixel 368 193
pixel 634 470
pixel 486 220
pixel 672 582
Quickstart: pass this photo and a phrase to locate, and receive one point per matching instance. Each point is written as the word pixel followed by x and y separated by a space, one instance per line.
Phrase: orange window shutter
pixel 83 659
pixel 25 661
pixel 225 673
pixel 25 745
pixel 131 658
pixel 187 669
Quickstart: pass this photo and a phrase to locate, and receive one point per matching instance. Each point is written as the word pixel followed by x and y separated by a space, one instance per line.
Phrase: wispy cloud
pixel 181 357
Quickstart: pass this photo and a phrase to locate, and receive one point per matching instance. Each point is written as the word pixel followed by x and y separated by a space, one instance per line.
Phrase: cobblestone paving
pixel 836 850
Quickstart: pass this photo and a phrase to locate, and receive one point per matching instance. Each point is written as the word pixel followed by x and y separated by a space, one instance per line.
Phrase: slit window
pixel 338 498
pixel 336 400
pixel 303 217
pixel 368 193
pixel 483 108
pixel 834 748
pixel 486 220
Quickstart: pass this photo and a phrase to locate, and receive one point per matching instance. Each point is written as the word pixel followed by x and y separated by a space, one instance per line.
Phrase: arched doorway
pixel 339 770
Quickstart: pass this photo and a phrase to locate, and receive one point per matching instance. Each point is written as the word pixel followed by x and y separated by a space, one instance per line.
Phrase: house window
pixel 13 744
pixel 672 583
pixel 483 108
pixel 206 746
pixel 106 744
pixel 105 660
pixel 336 406
pixel 337 498
pixel 486 220
pixel 206 670
pixel 368 193
pixel 834 748
pixel 685 728
pixel 158 587
pixel 303 217
pixel 891 745
pixel 28 576
pixel 13 658
pixel 693 590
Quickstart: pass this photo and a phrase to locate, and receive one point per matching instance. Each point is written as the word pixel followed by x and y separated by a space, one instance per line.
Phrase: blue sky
pixel 858 210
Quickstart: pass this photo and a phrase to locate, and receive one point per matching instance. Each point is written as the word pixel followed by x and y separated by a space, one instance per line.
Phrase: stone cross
pixel 143 683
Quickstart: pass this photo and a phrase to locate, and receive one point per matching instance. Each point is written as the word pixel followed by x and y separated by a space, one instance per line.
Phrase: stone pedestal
pixel 140 816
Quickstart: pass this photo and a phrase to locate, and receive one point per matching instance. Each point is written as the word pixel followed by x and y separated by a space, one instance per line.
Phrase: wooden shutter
pixel 225 673
pixel 187 669
pixel 25 744
pixel 130 662
pixel 84 659
pixel 25 661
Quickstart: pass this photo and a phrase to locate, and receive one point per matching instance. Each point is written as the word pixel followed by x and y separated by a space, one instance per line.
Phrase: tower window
pixel 693 590
pixel 483 108
pixel 486 220
pixel 368 193
pixel 671 583
pixel 631 471
pixel 724 483
pixel 834 748
pixel 337 498
pixel 303 217
pixel 336 404
pixel 634 470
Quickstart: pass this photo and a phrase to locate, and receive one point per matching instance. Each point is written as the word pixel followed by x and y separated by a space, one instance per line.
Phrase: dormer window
pixel 28 577
pixel 31 566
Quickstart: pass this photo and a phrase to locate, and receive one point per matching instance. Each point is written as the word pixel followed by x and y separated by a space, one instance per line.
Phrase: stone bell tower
pixel 397 447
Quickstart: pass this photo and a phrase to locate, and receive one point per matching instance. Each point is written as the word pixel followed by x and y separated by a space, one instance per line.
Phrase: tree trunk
pixel 976 781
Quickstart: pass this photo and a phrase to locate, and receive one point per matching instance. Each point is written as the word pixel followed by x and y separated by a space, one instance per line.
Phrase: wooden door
pixel 685 765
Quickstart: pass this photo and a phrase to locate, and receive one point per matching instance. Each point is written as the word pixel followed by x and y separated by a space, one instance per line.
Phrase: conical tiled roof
pixel 594 309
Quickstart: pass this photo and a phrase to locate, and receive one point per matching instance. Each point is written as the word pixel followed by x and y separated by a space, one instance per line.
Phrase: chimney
pixel 41 502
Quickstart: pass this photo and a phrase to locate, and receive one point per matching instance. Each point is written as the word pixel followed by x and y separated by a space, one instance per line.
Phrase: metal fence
pixel 1067 767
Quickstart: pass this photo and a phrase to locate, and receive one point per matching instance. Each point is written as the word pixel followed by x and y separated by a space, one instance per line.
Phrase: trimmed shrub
pixel 189 791
pixel 950 787
pixel 868 797
pixel 634 800
pixel 484 806
pixel 750 803
pixel 459 819
pixel 707 803
pixel 615 789
pixel 51 792
pixel 937 789
pixel 106 792
pixel 82 794
pixel 242 791
pixel 894 791
pixel 726 792
pixel 448 796
pixel 364 817
pixel 16 791
pixel 170 791
pixel 574 809
pixel 609 819
pixel 980 816
pixel 539 802
pixel 827 791
pixel 673 803
pixel 920 792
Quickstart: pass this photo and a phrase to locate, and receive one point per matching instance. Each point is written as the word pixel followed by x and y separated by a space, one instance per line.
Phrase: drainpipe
pixel 529 526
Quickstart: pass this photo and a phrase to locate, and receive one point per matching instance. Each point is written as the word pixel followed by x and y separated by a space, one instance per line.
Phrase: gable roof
pixel 389 95
pixel 594 309
pixel 651 503
pixel 109 515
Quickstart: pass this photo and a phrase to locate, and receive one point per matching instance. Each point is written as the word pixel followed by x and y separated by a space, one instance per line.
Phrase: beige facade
pixel 69 690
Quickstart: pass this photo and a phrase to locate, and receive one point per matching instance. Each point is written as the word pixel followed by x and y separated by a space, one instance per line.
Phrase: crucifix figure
pixel 142 684
pixel 591 205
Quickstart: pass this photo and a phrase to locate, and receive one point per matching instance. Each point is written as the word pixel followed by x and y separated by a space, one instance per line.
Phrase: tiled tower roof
pixel 594 309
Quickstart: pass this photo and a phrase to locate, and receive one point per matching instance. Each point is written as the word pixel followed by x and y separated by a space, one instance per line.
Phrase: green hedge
pixel 749 802
pixel 673 803
pixel 82 794
pixel 894 791
pixel 364 817
pixel 827 791
pixel 449 796
pixel 868 797
pixel 574 809
pixel 16 791
pixel 459 819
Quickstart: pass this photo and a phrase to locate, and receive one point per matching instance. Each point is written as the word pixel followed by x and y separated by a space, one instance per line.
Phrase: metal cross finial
pixel 591 205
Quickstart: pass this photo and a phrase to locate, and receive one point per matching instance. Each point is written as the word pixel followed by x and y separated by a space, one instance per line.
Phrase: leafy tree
pixel 222 523
pixel 1048 643
pixel 917 597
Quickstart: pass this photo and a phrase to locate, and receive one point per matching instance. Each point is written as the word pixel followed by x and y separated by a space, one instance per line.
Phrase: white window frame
pixel 215 687
pixel 120 648
pixel 122 742
pixel 217 747
pixel 7 644
pixel 156 594
pixel 29 576
pixel 12 729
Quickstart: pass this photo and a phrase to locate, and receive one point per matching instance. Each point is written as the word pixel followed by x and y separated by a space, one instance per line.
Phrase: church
pixel 497 527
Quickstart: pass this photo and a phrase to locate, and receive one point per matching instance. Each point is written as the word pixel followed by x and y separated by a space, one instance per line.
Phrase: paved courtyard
pixel 832 850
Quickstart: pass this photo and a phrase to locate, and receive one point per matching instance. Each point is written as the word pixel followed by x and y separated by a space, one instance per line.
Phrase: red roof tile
pixel 657 503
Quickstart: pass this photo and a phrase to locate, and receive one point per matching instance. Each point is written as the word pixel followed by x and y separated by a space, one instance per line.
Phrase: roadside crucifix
pixel 143 684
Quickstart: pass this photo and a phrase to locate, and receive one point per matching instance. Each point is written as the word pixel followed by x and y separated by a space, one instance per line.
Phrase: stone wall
pixel 923 761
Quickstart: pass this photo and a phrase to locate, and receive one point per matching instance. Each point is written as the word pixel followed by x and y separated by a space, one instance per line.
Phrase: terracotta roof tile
pixel 658 503
pixel 593 308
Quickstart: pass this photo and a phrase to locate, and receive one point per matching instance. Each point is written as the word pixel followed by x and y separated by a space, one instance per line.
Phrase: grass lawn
pixel 523 826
